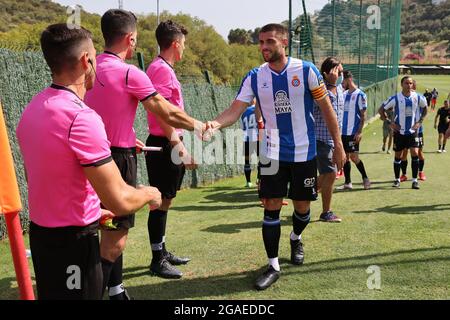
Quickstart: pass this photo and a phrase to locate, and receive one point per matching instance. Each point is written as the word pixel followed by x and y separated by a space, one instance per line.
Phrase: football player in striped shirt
pixel 355 105
pixel 406 126
pixel 285 89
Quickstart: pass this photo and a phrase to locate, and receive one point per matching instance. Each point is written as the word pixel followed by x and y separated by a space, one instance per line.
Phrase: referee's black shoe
pixel 174 260
pixel 415 185
pixel 269 277
pixel 297 253
pixel 164 269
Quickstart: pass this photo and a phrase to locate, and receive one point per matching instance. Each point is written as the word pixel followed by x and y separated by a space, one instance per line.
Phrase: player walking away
pixel 163 173
pixel 331 70
pixel 115 97
pixel 249 126
pixel 405 125
pixel 388 134
pixel 441 123
pixel 355 106
pixel 285 89
pixel 434 97
pixel 69 167
pixel 428 96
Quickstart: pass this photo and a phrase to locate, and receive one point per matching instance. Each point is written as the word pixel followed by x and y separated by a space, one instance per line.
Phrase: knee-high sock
pixel 397 165
pixel 421 165
pixel 271 231
pixel 347 172
pixel 156 230
pixel 106 269
pixel 415 166
pixel 247 170
pixel 115 277
pixel 404 166
pixel 362 170
pixel 300 221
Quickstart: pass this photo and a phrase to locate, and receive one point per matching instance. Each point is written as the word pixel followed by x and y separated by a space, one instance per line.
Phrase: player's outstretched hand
pixel 211 128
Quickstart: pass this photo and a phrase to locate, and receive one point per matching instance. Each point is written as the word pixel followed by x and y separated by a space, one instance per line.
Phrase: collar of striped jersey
pixel 282 71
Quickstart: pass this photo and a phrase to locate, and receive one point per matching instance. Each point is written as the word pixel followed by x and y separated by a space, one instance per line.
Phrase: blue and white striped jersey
pixel 406 110
pixel 286 100
pixel 354 103
pixel 420 111
pixel 249 125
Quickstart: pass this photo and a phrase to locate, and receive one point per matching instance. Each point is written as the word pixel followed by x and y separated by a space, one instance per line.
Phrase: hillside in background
pixel 23 21
pixel 425 35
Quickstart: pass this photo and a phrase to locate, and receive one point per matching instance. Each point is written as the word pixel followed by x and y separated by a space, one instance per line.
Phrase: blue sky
pixel 223 15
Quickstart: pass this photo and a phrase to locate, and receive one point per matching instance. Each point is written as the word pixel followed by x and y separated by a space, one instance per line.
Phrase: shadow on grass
pixel 396 209
pixel 236 200
pixel 238 282
pixel 6 292
pixel 238 227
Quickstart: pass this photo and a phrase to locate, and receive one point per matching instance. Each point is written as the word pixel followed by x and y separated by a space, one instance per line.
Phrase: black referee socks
pixel 106 269
pixel 156 224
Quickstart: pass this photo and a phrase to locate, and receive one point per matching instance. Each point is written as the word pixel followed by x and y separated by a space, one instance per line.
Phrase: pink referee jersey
pixel 164 79
pixel 58 136
pixel 116 95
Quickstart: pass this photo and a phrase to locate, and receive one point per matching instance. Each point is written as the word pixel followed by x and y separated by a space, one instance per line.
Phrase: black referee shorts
pixel 126 161
pixel 163 174
pixel 67 262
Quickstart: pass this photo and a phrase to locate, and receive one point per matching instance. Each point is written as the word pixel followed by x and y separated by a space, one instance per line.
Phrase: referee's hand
pixel 154 194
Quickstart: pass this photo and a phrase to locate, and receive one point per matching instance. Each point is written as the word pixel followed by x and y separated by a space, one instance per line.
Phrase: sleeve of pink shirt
pixel 139 84
pixel 88 140
pixel 161 79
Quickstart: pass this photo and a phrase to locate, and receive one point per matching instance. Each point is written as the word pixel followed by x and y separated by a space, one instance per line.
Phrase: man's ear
pixel 85 60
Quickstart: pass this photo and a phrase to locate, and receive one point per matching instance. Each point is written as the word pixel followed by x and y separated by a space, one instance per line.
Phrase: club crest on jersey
pixel 295 81
pixel 282 102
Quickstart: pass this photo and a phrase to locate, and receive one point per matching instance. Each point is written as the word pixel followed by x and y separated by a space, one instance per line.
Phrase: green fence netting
pixel 23 74
pixel 363 34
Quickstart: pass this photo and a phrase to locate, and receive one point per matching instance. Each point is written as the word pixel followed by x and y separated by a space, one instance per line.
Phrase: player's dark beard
pixel 276 56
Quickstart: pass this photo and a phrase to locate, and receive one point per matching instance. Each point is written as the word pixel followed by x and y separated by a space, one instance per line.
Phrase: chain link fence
pixel 23 74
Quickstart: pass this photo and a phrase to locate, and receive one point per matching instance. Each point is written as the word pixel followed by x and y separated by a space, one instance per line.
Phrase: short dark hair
pixel 61 46
pixel 278 28
pixel 328 64
pixel 404 79
pixel 116 23
pixel 167 32
pixel 348 74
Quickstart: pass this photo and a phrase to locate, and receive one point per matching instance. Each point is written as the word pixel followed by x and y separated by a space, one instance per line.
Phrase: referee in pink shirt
pixel 115 97
pixel 69 167
pixel 163 173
